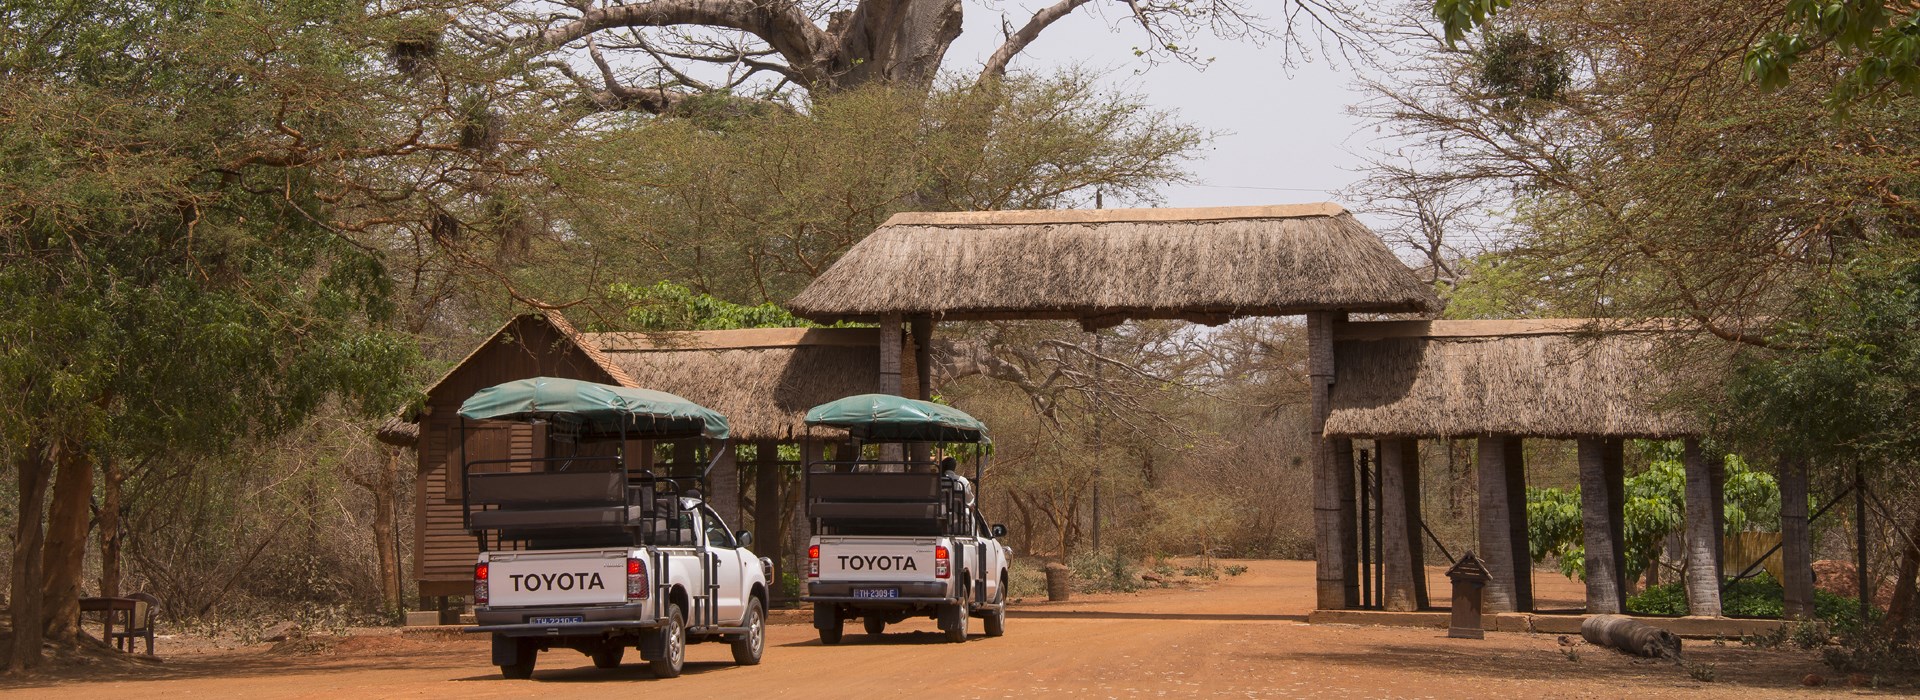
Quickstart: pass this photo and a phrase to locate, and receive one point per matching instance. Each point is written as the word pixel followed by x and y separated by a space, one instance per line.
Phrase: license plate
pixel 561 620
pixel 876 592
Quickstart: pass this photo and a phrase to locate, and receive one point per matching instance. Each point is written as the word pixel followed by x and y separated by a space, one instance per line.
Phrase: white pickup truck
pixel 892 546
pixel 696 582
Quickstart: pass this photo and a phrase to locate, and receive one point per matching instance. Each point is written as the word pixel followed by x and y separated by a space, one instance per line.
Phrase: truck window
pixel 717 534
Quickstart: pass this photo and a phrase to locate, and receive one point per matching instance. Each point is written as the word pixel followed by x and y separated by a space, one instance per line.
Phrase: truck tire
pixel 953 621
pixel 608 655
pixel 524 654
pixel 748 648
pixel 827 620
pixel 996 623
pixel 875 624
pixel 673 644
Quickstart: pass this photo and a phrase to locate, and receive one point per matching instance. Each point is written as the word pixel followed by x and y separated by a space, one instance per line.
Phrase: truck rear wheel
pixel 875 624
pixel 673 644
pixel 953 621
pixel 524 654
pixel 826 618
pixel 748 648
pixel 609 655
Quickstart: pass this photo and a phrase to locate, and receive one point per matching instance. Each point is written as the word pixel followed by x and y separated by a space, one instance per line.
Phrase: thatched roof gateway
pixel 1106 265
pixel 763 380
pixel 1553 379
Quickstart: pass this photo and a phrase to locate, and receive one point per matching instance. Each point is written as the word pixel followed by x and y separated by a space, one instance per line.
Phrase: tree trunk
pixel 1601 503
pixel 1503 541
pixel 895 41
pixel 1702 535
pixel 68 520
pixel 1403 557
pixel 1900 610
pixel 34 470
pixel 110 535
pixel 383 499
pixel 1796 542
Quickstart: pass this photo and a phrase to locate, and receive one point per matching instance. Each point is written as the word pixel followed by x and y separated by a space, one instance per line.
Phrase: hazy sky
pixel 1285 135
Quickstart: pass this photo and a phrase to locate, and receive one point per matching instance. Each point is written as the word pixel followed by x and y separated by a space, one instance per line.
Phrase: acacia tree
pixel 654 56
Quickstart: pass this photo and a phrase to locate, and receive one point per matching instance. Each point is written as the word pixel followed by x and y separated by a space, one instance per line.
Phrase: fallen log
pixel 1631 636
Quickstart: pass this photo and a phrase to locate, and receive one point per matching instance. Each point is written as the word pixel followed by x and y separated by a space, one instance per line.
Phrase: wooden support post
pixel 767 504
pixel 1602 499
pixel 725 480
pixel 799 528
pixel 890 340
pixel 1336 568
pixel 1703 534
pixel 1503 525
pixel 1796 541
pixel 1403 558
pixel 920 332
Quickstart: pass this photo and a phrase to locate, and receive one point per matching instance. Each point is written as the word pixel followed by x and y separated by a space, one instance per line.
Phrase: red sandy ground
pixel 1242 636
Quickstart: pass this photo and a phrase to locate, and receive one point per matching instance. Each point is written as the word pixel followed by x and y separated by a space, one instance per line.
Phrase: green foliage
pixel 1521 69
pixel 666 306
pixel 1111 571
pixel 1653 510
pixel 1882 47
pixel 1841 380
pixel 1457 17
pixel 1757 597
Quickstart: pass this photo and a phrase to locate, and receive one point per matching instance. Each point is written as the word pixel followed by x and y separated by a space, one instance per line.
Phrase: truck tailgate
pixel 566 577
pixel 877 558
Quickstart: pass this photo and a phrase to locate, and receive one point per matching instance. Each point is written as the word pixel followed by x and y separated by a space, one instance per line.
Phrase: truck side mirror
pixel 999 531
pixel 744 538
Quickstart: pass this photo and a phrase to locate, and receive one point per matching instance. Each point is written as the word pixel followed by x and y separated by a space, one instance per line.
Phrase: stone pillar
pixel 1796 540
pixel 1336 566
pixel 1602 499
pixel 1703 534
pixel 1403 558
pixel 1503 524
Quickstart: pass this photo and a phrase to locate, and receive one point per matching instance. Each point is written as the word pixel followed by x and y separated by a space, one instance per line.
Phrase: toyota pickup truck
pixel 577 552
pixel 899 539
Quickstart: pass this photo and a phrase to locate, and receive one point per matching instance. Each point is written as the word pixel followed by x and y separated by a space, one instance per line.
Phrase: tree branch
pixel 784 26
pixel 1016 42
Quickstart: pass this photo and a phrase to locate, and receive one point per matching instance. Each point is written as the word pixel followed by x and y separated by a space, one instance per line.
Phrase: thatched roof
pixel 398 433
pixel 763 380
pixel 1106 265
pixel 1553 379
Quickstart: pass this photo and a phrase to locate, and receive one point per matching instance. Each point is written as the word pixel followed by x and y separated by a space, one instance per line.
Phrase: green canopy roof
pixel 602 409
pixel 892 418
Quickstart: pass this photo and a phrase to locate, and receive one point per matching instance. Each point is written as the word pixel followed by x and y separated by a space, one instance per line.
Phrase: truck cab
pixel 901 538
pixel 577 551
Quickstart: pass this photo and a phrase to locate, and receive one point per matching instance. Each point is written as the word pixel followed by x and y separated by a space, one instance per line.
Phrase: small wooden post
pixel 1503 525
pixel 1602 500
pixel 1404 556
pixel 1796 541
pixel 1703 534
pixel 1336 568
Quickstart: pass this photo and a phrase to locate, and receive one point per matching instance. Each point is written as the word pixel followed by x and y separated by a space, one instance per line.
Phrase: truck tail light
pixel 813 561
pixel 942 565
pixel 480 587
pixel 636 579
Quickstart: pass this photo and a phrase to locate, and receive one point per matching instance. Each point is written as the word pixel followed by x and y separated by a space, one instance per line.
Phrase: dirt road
pixel 1242 636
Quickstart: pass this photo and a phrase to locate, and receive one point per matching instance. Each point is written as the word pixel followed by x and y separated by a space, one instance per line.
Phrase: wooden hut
pixel 763 380
pixel 1105 266
pixel 1502 382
